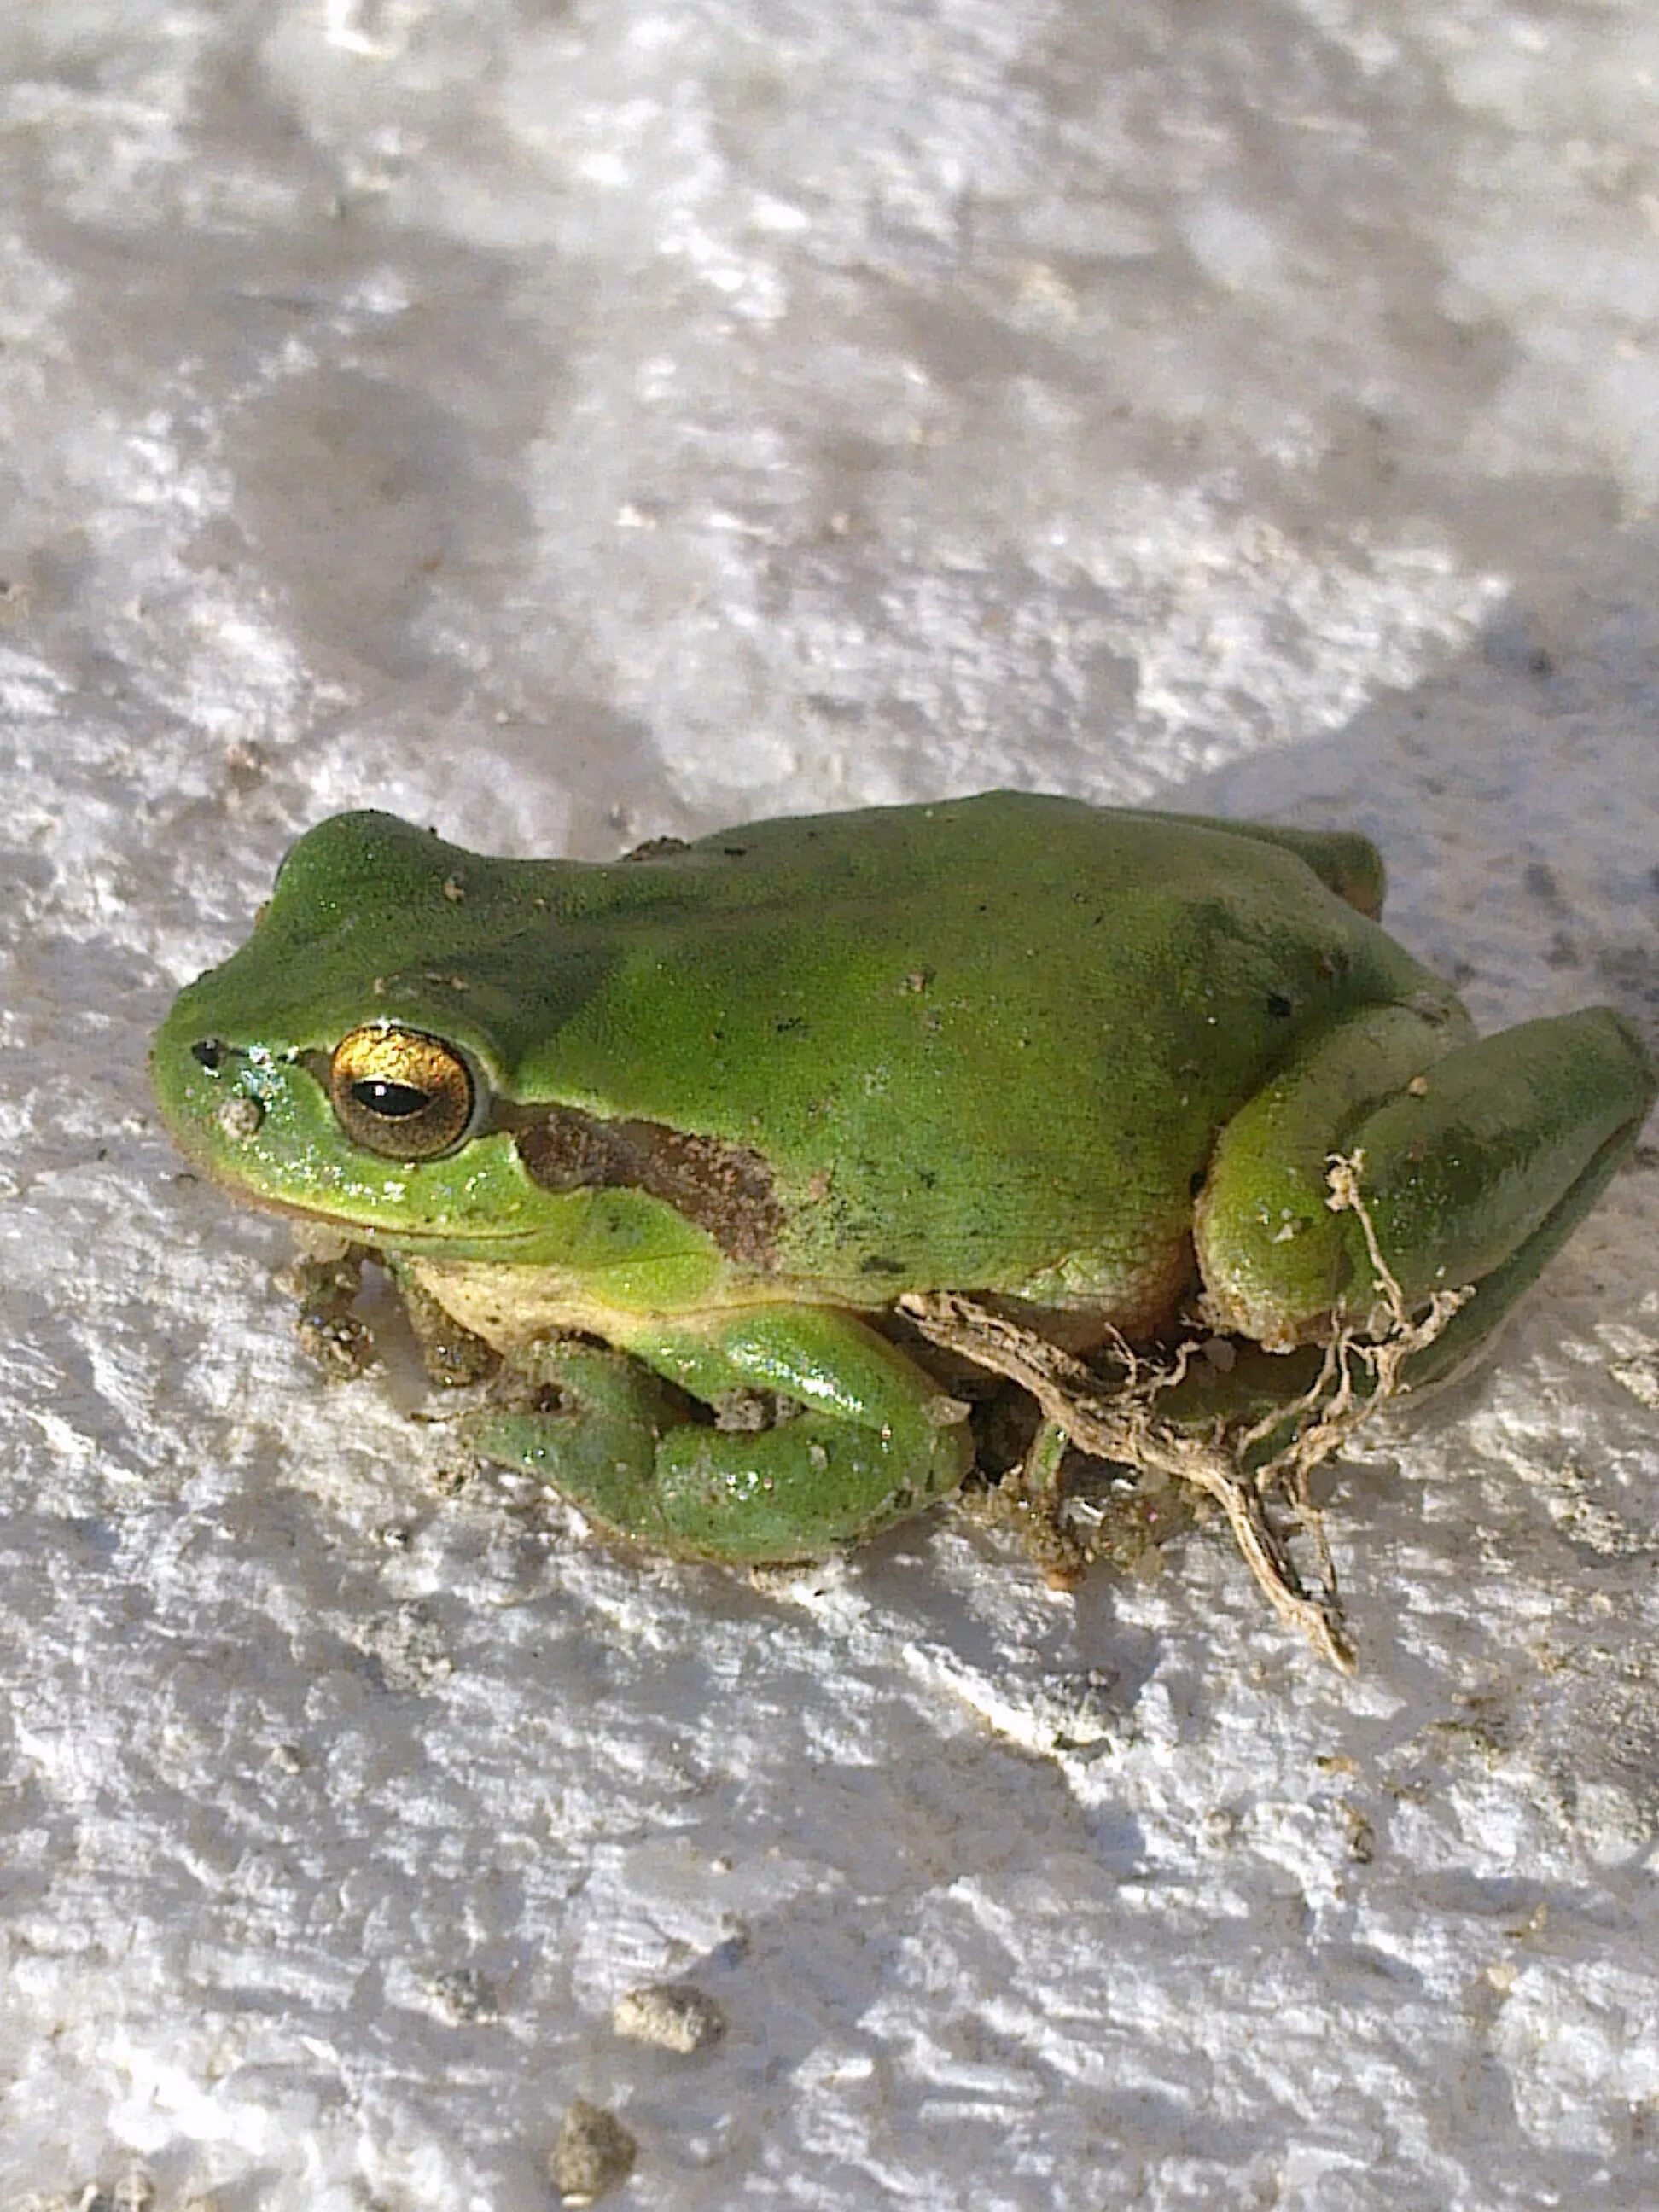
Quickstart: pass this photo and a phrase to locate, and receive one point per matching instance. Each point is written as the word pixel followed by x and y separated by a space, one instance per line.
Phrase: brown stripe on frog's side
pixel 724 1189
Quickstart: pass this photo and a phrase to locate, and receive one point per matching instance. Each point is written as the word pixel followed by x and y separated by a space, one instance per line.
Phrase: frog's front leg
pixel 453 1356
pixel 873 1440
pixel 1479 1156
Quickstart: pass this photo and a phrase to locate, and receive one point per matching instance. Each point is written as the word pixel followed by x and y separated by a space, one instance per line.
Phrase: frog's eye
pixel 397 1092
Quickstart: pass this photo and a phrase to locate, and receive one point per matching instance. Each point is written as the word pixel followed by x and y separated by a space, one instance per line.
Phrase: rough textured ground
pixel 570 423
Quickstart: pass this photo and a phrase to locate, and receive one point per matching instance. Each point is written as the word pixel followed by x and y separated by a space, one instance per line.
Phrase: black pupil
pixel 392 1101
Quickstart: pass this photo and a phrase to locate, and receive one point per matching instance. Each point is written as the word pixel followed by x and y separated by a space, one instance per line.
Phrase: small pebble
pixel 465 1996
pixel 669 2015
pixel 593 2156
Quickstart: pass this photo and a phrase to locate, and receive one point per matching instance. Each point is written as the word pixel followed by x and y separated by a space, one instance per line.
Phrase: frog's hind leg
pixel 1343 861
pixel 866 1439
pixel 1478 1158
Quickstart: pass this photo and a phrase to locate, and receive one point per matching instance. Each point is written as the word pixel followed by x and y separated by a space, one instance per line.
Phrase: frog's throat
pixel 513 1307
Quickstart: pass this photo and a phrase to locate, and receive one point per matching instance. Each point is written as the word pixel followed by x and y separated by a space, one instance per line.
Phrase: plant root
pixel 1361 1371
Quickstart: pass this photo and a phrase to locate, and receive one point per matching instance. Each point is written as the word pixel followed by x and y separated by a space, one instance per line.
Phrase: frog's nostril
pixel 208 1053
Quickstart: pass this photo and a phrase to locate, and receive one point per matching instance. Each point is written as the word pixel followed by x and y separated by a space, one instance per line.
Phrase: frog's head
pixel 356 1062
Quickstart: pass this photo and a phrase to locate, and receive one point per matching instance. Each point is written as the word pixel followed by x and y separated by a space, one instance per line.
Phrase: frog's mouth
pixel 353 1229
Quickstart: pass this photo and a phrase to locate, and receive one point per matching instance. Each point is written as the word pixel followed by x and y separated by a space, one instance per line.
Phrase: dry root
pixel 1120 1424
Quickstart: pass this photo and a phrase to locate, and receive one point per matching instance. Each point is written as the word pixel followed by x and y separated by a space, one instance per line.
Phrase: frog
pixel 679 1138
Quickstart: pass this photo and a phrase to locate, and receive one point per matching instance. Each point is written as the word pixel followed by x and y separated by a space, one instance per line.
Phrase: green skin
pixel 1086 1064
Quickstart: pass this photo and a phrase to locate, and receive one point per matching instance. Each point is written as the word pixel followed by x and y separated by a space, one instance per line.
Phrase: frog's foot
pixel 1479 1158
pixel 866 1439
pixel 1030 1499
pixel 326 1286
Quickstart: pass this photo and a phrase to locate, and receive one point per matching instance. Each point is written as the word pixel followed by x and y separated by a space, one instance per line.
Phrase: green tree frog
pixel 675 1134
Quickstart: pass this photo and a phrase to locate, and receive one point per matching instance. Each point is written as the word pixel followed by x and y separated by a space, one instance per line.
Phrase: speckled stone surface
pixel 568 423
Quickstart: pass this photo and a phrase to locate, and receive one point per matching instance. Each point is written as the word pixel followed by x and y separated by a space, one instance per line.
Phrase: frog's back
pixel 985 1043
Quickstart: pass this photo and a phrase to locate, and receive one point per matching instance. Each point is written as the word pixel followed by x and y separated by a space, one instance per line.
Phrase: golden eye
pixel 399 1093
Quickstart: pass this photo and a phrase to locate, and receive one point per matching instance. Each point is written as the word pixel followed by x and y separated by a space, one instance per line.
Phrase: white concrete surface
pixel 575 420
